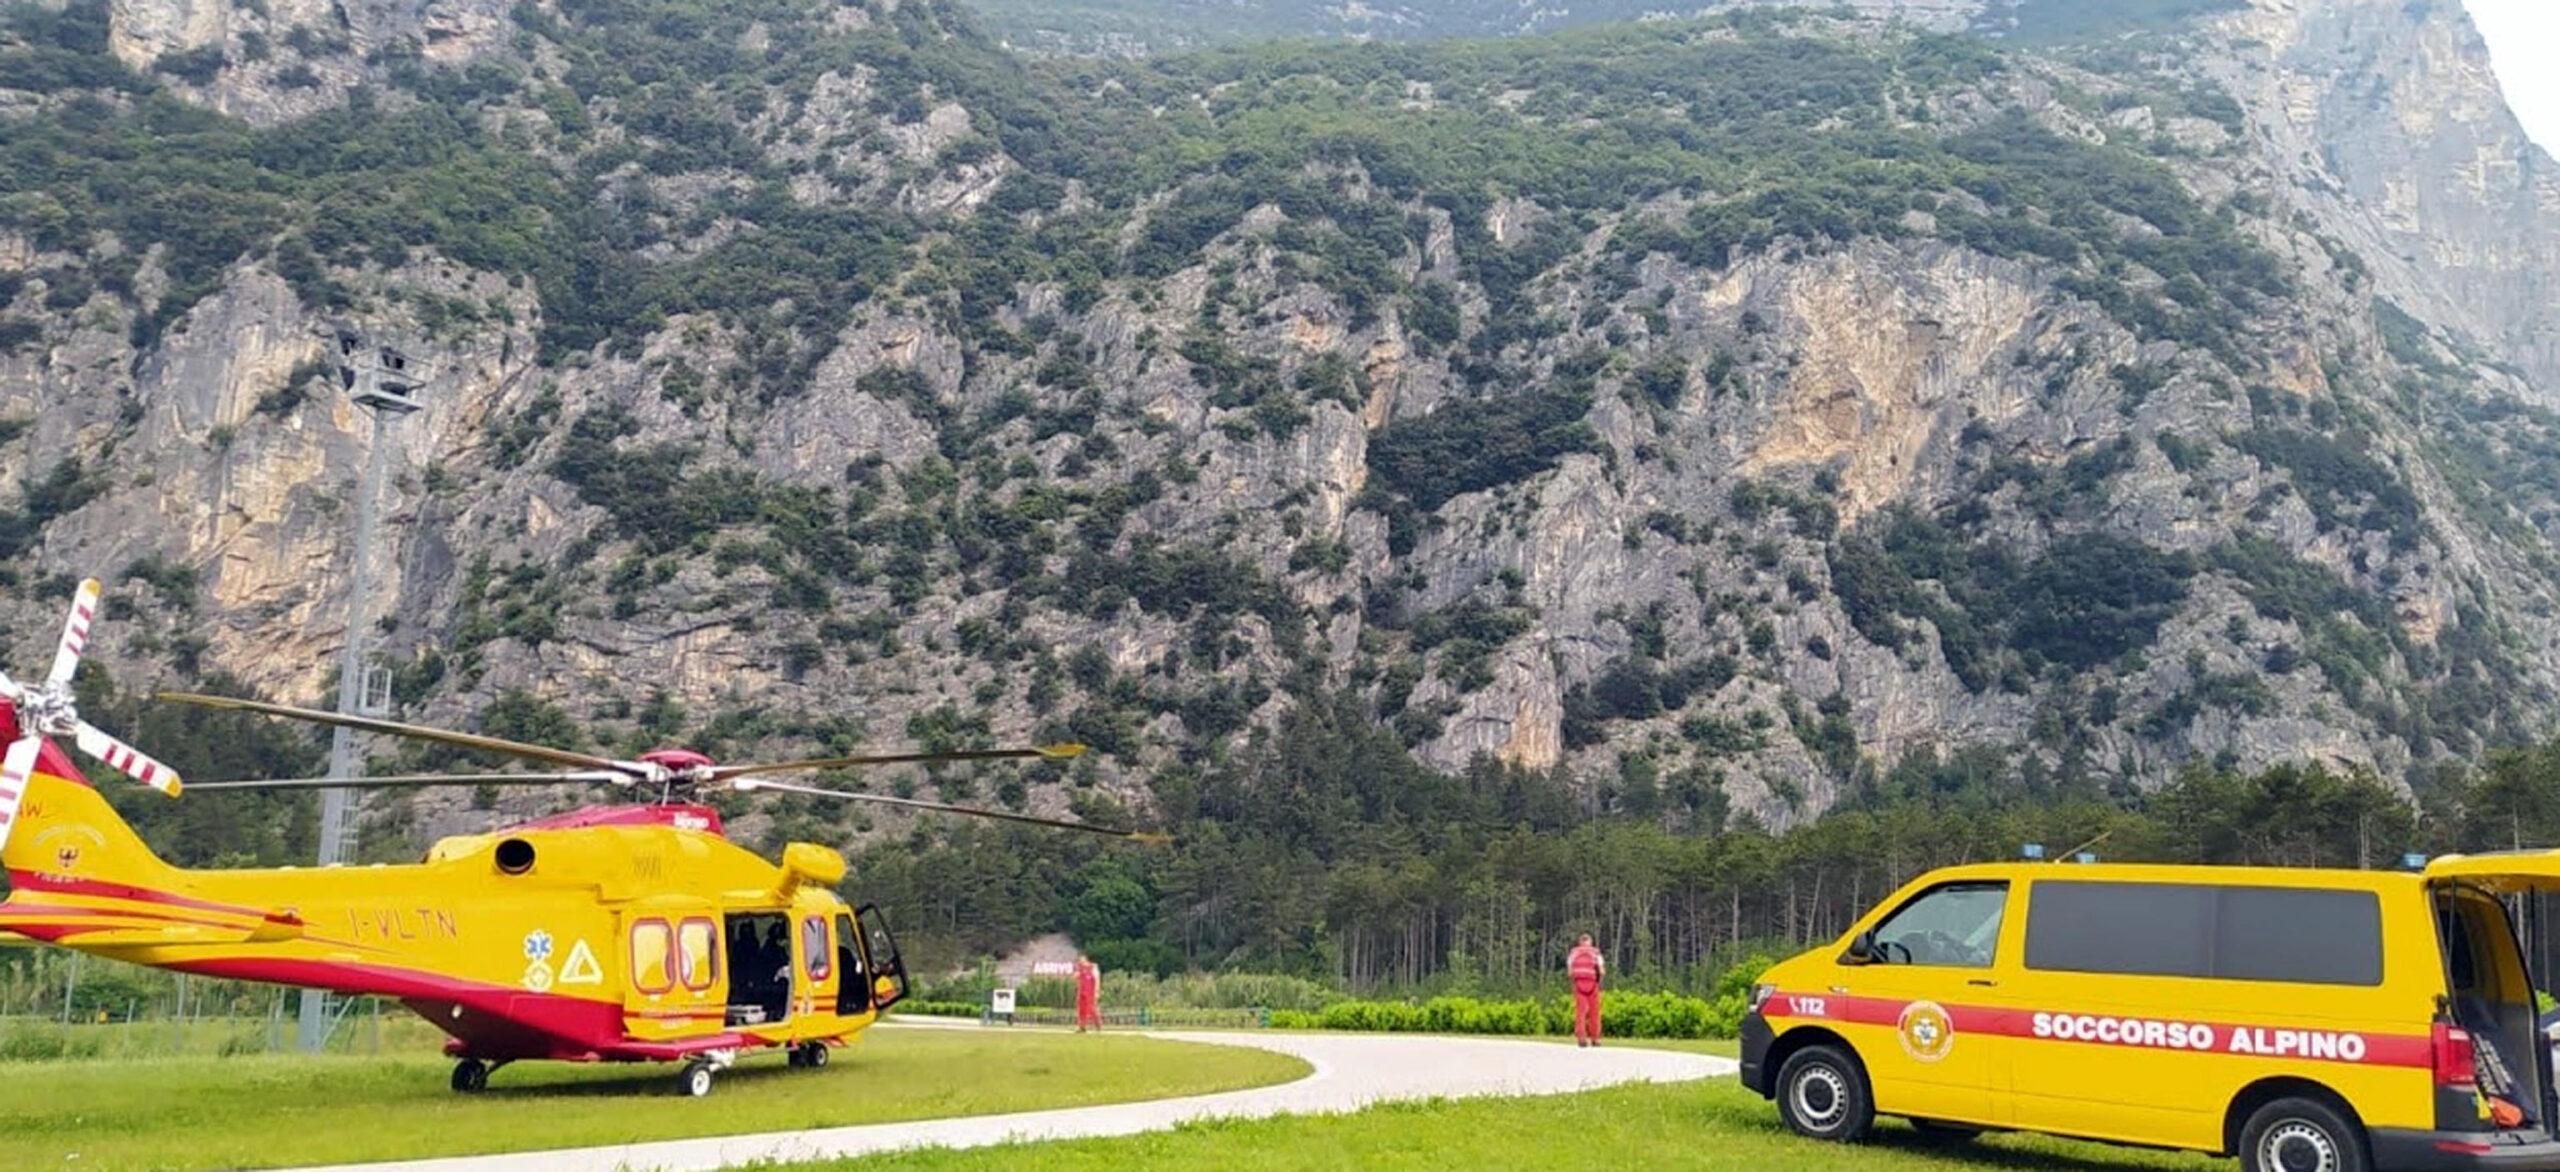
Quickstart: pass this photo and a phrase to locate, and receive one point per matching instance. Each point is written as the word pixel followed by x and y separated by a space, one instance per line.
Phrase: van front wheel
pixel 2301 1135
pixel 1822 1093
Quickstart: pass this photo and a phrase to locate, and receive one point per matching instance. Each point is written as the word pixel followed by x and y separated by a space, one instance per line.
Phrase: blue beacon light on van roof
pixel 2085 857
pixel 2033 850
pixel 2414 860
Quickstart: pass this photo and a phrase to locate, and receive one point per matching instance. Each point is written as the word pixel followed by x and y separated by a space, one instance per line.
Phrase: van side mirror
pixel 1862 948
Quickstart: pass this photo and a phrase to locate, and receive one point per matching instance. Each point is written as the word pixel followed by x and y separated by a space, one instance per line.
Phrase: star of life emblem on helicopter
pixel 537 955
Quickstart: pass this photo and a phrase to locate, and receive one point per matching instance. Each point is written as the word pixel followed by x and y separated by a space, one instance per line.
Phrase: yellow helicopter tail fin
pixel 65 830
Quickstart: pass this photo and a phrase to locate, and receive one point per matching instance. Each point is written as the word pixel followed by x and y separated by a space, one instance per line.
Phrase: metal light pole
pixel 379 379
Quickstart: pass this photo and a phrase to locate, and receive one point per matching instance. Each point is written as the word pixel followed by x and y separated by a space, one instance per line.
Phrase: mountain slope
pixel 1739 416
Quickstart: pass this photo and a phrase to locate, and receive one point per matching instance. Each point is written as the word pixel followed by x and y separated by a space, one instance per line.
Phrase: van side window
pixel 2232 933
pixel 1955 926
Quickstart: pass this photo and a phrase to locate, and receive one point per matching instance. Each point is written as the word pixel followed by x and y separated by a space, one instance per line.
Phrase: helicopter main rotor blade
pixel 421 780
pixel 1150 837
pixel 1058 752
pixel 626 770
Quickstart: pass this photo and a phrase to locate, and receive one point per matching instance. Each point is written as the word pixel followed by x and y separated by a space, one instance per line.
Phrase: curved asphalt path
pixel 1351 1071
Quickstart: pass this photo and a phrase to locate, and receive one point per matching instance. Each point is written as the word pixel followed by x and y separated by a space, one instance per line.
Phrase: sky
pixel 2522 35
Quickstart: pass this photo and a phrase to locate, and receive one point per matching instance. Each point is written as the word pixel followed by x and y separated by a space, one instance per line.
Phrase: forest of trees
pixel 1325 851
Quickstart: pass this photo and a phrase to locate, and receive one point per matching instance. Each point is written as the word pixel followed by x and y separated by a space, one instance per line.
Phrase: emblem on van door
pixel 1926 1031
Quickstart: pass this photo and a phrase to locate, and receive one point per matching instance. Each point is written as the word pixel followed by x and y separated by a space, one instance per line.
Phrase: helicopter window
pixel 697 954
pixel 813 945
pixel 652 948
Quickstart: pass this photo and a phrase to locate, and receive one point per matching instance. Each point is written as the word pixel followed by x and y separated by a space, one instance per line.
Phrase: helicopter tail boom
pixel 68 838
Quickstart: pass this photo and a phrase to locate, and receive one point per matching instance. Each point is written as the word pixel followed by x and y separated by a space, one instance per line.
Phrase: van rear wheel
pixel 2301 1135
pixel 1822 1094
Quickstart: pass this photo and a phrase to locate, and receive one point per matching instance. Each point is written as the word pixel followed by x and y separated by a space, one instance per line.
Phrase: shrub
pixel 1627 1014
pixel 1469 446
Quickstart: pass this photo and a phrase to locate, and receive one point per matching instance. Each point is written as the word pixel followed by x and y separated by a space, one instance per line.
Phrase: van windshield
pixel 1955 926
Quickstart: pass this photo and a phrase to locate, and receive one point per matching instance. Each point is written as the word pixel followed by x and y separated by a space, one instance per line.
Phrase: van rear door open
pixel 2489 986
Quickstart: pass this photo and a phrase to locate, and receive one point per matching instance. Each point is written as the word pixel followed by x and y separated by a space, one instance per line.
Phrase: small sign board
pixel 1000 1002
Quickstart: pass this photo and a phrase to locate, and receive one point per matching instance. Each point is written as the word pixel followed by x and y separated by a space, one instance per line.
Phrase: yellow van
pixel 2306 1021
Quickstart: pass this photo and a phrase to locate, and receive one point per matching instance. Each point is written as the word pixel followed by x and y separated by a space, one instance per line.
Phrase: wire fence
pixel 56 1005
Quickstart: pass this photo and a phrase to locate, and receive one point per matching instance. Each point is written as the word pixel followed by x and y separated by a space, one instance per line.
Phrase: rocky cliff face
pixel 276 60
pixel 2261 469
pixel 2387 122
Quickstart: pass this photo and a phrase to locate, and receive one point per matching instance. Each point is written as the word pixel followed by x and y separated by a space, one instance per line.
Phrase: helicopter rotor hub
pixel 49 709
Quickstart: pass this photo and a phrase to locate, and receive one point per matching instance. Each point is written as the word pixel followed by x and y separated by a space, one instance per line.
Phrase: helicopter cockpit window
pixel 813 945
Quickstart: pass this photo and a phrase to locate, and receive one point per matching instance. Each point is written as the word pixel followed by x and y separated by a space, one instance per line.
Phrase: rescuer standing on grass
pixel 1088 994
pixel 1585 968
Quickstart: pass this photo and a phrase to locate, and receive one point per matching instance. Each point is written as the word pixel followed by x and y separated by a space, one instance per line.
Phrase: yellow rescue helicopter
pixel 630 932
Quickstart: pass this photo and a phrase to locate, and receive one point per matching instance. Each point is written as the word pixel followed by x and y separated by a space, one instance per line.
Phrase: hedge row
pixel 1626 1015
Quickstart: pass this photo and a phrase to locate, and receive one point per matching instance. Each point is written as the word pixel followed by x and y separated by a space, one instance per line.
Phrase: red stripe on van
pixel 2138 1031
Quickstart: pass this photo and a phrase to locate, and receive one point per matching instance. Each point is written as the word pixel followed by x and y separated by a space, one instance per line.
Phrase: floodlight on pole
pixel 384 382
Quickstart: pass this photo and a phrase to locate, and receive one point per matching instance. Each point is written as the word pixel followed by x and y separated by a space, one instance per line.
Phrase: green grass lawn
pixel 1711 1125
pixel 274 1110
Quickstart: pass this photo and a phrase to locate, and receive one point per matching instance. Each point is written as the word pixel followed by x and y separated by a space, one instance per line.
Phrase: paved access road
pixel 1351 1071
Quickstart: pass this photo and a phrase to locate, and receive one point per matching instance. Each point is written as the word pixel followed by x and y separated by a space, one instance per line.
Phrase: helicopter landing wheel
pixel 470 1076
pixel 811 1055
pixel 695 1082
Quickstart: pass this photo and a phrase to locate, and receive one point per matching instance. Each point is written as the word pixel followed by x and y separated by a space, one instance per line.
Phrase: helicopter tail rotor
pixel 134 763
pixel 15 768
pixel 50 710
pixel 75 634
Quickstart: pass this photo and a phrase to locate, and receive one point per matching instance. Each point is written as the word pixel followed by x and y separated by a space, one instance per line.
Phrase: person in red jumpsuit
pixel 1585 967
pixel 1088 994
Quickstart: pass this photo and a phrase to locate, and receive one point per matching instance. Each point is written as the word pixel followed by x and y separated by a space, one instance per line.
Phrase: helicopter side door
pixel 677 986
pixel 853 977
pixel 888 970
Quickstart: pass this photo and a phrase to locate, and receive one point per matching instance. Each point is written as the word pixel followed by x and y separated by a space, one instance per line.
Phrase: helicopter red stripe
pixel 497 1021
pixel 50 933
pixel 61 885
pixel 88 914
pixel 73 911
